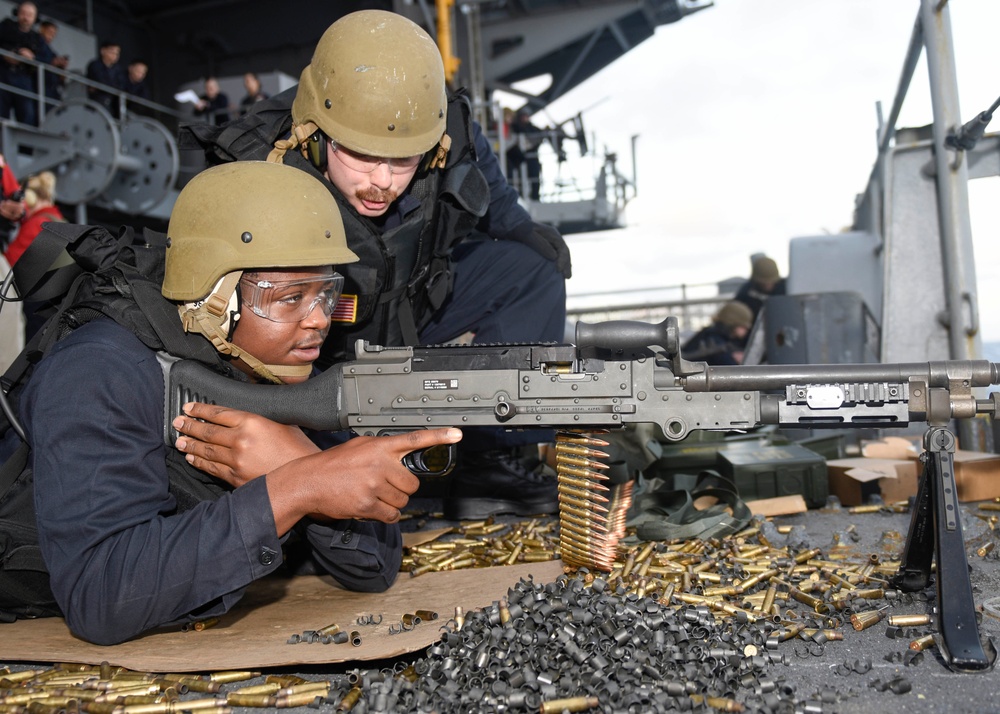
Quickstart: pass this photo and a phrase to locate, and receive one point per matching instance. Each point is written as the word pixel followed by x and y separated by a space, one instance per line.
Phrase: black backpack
pixel 75 274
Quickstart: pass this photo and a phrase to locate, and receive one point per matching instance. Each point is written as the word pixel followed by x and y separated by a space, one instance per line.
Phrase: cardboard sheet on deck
pixel 255 633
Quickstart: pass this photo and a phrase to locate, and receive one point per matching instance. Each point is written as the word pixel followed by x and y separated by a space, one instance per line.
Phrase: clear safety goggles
pixel 292 300
pixel 364 164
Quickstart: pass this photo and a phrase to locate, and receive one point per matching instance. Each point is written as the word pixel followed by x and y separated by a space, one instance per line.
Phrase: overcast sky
pixel 757 124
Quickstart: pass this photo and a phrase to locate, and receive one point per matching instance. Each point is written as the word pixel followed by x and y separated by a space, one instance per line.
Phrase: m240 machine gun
pixel 621 373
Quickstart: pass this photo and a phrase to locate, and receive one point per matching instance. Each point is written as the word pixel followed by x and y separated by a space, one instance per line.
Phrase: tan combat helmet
pixel 375 85
pixel 242 216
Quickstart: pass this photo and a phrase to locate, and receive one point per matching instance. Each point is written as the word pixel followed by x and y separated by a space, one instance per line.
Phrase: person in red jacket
pixel 39 194
pixel 11 201
pixel 38 198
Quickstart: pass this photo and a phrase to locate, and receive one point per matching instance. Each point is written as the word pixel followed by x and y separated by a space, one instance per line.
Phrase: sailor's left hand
pixel 236 446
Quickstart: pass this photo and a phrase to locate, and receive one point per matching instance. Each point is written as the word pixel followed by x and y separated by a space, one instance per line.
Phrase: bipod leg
pixel 961 645
pixel 915 567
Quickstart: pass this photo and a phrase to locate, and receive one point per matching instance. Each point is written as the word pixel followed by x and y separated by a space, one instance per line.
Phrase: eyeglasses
pixel 364 164
pixel 292 300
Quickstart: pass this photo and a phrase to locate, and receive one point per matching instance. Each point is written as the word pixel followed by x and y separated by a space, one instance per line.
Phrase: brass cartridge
pixel 572 704
pixel 909 620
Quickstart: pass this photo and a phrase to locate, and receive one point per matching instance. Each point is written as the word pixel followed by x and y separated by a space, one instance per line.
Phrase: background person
pixel 39 198
pixel 105 68
pixel 213 104
pixel 525 140
pixel 765 281
pixel 251 82
pixel 18 35
pixel 54 83
pixel 722 341
pixel 12 206
pixel 136 79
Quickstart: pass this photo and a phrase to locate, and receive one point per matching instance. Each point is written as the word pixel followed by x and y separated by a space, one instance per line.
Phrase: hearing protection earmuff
pixel 316 150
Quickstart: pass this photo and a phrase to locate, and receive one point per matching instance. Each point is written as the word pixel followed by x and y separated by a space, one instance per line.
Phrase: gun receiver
pixel 611 378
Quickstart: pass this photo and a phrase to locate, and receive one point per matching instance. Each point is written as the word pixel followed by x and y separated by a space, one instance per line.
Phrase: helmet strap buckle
pixel 440 156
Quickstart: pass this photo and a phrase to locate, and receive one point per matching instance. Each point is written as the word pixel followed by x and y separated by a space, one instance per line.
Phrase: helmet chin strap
pixel 300 133
pixel 212 318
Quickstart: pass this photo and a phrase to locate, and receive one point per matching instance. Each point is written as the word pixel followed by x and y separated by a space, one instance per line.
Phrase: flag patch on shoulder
pixel 346 309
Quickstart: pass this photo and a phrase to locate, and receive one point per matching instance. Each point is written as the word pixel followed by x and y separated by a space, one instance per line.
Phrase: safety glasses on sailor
pixel 291 300
pixel 364 164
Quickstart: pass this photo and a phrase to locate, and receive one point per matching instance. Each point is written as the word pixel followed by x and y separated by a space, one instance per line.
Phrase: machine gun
pixel 621 373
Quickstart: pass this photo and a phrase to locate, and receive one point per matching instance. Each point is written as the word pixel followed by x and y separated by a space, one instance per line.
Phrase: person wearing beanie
pixel 765 281
pixel 721 343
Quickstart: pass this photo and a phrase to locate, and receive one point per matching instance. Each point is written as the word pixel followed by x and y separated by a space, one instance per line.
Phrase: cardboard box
pixel 977 476
pixel 854 480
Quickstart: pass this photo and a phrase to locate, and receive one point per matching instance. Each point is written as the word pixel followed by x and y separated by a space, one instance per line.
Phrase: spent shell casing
pixel 806 555
pixel 871 508
pixel 319 686
pixel 193 684
pixel 985 550
pixel 815 603
pixel 232 676
pixel 349 700
pixel 768 601
pixel 721 704
pixel 285 680
pixel 864 620
pixel 299 699
pixel 266 688
pixel 571 704
pixel 909 620
pixel 922 643
pixel 236 699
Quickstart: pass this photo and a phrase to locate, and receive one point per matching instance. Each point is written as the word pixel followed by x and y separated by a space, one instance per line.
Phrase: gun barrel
pixel 978 373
